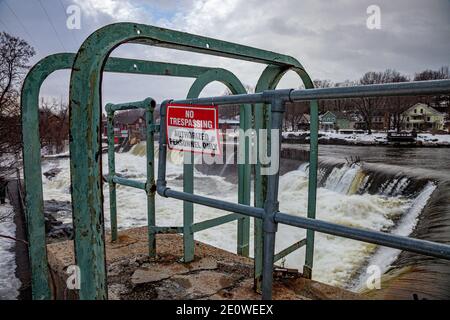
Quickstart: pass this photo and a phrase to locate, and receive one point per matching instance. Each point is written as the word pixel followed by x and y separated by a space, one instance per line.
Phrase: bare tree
pixel 395 106
pixel 293 113
pixel 368 107
pixel 442 73
pixel 53 124
pixel 441 102
pixel 232 111
pixel 15 54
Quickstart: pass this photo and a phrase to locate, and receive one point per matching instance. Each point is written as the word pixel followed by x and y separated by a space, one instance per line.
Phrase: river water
pixel 424 158
pixel 349 194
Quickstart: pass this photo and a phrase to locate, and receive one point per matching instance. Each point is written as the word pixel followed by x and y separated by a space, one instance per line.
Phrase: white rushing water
pixel 337 261
pixel 9 283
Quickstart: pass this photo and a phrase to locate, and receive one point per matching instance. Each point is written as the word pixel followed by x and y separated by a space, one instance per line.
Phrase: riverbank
pixel 364 139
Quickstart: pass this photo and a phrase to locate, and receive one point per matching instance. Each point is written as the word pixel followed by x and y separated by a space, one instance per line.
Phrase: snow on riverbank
pixel 427 139
pixel 9 284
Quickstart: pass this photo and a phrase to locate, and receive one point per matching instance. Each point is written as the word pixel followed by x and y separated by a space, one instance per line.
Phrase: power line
pixel 4 25
pixel 75 39
pixel 20 21
pixel 52 25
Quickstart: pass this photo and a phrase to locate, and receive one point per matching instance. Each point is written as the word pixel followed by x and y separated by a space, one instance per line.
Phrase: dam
pixel 402 200
pixel 332 215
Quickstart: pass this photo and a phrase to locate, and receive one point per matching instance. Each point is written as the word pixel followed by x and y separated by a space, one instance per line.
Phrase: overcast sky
pixel 330 38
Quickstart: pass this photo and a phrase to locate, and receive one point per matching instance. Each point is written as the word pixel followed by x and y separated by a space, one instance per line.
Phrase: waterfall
pixel 385 256
pixel 372 196
pixel 341 179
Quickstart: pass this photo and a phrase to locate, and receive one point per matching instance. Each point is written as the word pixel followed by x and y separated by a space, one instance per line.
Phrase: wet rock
pixel 157 272
pixel 61 232
pixel 50 174
pixel 207 263
pixel 115 291
pixel 54 212
pixel 195 285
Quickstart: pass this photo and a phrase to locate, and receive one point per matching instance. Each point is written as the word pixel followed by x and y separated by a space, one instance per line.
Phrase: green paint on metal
pixel 31 144
pixel 129 183
pixel 269 80
pixel 111 172
pixel 215 222
pixel 34 202
pixel 85 102
pixel 244 170
pixel 149 186
pixel 283 253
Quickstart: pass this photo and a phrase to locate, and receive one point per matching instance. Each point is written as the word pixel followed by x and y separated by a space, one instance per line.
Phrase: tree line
pixel 368 108
pixel 15 55
pixel 365 108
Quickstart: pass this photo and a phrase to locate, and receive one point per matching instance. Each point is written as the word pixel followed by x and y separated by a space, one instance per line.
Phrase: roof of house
pixel 129 117
pixel 305 117
pixel 337 114
pixel 423 105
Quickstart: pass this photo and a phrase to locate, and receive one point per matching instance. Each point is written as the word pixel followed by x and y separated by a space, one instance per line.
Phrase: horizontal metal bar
pixel 390 89
pixel 425 247
pixel 375 90
pixel 142 104
pixel 129 183
pixel 135 66
pixel 283 253
pixel 166 38
pixel 196 227
pixel 223 100
pixel 214 203
pixel 166 230
pixel 154 127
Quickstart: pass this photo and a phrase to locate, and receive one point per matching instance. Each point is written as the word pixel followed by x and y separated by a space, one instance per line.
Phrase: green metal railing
pixel 149 186
pixel 34 208
pixel 270 215
pixel 31 151
pixel 85 152
pixel 85 101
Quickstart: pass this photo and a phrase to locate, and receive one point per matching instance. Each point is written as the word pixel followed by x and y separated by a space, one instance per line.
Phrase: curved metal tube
pixel 244 174
pixel 85 102
pixel 34 208
pixel 269 80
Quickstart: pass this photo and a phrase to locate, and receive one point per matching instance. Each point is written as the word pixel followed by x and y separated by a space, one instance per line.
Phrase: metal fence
pixel 270 215
pixel 88 65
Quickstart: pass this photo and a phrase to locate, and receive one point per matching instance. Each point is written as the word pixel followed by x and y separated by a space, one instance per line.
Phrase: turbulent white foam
pixel 395 186
pixel 336 260
pixel 9 283
pixel 384 256
pixel 340 179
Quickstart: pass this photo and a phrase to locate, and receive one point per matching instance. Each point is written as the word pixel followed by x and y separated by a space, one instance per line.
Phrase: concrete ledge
pixel 214 274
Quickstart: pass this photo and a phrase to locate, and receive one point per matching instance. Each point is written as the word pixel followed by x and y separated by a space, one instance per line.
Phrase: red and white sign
pixel 193 128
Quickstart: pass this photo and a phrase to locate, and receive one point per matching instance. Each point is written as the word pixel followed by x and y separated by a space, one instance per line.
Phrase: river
pixel 392 190
pixel 424 158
